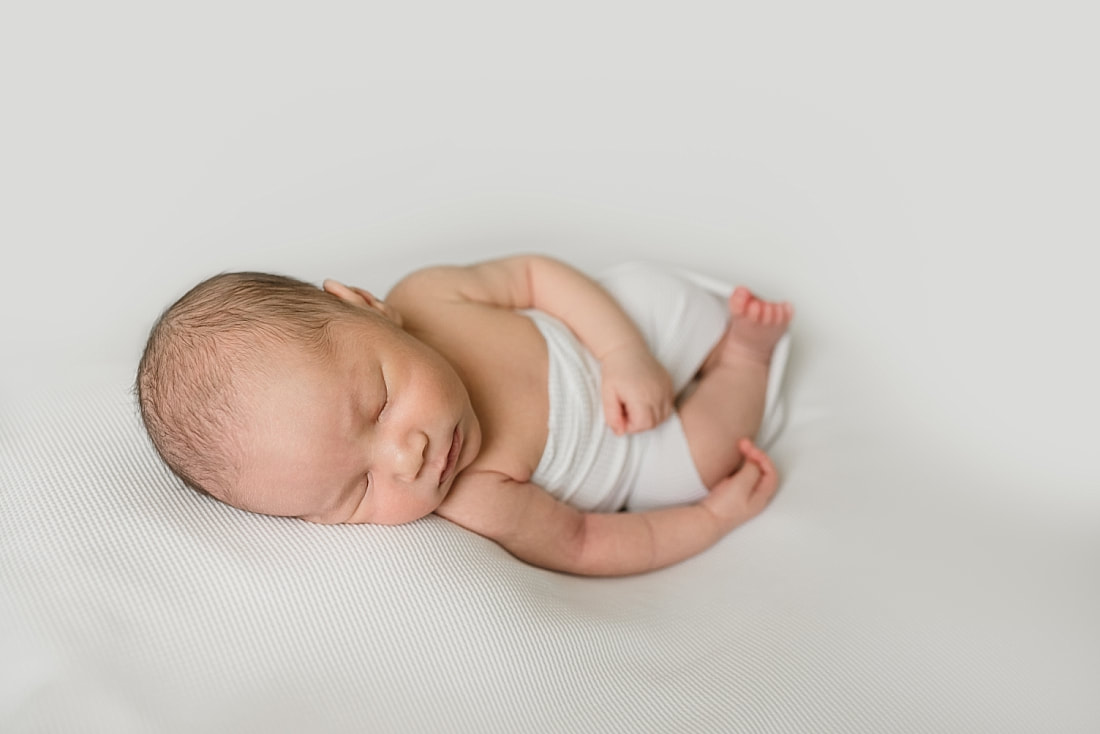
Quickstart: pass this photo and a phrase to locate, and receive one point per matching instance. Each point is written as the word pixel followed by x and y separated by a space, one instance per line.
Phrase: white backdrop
pixel 922 179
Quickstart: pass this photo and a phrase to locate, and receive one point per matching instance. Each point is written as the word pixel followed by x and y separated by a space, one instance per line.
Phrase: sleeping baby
pixel 518 398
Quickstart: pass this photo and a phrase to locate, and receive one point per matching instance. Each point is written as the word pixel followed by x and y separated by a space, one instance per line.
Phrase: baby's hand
pixel 637 390
pixel 744 494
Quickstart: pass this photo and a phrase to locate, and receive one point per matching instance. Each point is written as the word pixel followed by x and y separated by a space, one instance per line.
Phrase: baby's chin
pixel 471 445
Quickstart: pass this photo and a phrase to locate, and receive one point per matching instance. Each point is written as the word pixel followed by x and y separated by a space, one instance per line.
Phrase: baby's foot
pixel 755 327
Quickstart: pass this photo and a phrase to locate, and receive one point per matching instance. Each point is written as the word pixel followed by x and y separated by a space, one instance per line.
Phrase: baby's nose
pixel 410 455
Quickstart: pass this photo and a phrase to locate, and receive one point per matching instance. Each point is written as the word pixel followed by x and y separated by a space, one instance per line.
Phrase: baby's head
pixel 278 397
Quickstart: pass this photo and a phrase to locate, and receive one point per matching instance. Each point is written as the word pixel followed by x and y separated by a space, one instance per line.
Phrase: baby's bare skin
pixel 469 452
pixel 729 399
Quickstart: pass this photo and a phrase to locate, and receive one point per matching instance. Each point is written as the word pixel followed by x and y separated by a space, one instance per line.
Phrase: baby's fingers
pixel 762 479
pixel 642 413
pixel 614 412
pixel 647 415
pixel 640 418
pixel 628 414
pixel 746 492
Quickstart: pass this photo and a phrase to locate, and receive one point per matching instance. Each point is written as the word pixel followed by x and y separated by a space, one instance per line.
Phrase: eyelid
pixel 385 398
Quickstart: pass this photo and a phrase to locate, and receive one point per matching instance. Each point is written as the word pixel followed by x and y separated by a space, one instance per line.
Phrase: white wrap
pixel 681 316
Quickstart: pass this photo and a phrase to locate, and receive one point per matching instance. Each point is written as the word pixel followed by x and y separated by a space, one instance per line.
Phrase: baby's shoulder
pixel 442 300
pixel 503 284
pixel 438 283
pixel 425 297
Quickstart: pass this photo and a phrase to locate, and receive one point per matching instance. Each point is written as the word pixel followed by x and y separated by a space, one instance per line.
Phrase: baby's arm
pixel 535 527
pixel 637 390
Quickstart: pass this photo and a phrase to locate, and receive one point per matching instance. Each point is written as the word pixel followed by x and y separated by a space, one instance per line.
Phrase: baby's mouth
pixel 452 456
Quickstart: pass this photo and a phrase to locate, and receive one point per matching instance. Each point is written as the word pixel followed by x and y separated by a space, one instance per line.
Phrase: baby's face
pixel 376 434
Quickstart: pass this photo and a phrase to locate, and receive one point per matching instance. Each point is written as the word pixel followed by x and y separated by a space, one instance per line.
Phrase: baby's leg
pixel 728 402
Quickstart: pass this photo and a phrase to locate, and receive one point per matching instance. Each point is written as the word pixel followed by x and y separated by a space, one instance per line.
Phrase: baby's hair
pixel 200 354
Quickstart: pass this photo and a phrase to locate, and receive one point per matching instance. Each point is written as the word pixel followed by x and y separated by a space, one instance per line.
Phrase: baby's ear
pixel 361 299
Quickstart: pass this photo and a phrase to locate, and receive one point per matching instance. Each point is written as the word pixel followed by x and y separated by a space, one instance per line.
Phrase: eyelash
pixel 385 400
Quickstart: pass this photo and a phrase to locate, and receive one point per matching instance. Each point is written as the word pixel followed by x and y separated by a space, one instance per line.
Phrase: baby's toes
pixel 740 300
pixel 771 314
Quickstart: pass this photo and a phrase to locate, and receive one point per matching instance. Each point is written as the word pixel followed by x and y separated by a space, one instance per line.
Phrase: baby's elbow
pixel 576 548
pixel 567 550
pixel 588 551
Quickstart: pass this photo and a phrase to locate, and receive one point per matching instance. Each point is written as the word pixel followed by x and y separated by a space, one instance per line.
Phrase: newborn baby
pixel 516 397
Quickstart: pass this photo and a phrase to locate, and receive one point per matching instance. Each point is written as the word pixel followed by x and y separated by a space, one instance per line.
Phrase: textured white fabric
pixel 583 463
pixel 681 316
pixel 666 473
pixel 874 595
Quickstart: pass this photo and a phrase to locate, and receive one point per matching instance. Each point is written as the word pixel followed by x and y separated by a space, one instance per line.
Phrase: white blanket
pixel 877 593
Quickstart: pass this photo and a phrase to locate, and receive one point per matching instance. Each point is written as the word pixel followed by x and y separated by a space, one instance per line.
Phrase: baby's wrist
pixel 724 522
pixel 622 349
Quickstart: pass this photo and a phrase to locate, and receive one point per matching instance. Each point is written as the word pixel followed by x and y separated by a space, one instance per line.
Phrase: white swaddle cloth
pixel 681 315
pixel 775 408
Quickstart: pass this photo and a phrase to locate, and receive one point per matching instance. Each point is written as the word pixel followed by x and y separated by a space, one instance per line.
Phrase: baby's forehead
pixel 344 344
pixel 361 336
pixel 280 371
pixel 294 416
pixel 282 342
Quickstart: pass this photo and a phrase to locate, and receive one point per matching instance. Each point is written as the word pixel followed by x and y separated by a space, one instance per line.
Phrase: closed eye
pixel 385 400
pixel 366 489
